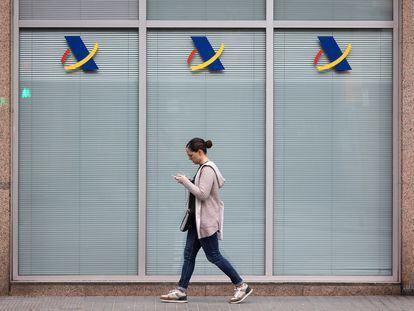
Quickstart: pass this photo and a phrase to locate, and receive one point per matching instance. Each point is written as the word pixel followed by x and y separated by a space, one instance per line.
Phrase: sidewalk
pixel 217 303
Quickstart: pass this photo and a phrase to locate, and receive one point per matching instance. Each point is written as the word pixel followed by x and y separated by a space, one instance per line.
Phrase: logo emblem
pixel 206 51
pixel 333 52
pixel 81 53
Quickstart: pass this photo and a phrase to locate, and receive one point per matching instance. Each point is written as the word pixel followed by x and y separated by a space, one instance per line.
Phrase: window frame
pixel 268 25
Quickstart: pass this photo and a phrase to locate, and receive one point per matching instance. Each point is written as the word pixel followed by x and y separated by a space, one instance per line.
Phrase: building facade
pixel 308 105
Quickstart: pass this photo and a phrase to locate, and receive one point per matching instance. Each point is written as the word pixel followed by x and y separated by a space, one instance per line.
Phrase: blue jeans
pixel 211 249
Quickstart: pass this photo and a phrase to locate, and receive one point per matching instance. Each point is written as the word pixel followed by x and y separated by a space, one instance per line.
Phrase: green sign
pixel 26 93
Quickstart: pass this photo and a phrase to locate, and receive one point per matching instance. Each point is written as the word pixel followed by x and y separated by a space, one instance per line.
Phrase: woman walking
pixel 206 223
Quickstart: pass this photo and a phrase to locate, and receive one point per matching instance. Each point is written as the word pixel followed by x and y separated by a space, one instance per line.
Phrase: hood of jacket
pixel 220 177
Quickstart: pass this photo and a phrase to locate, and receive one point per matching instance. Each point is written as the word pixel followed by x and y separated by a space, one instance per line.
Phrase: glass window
pixel 206 10
pixel 227 107
pixel 380 10
pixel 78 151
pixel 333 156
pixel 78 9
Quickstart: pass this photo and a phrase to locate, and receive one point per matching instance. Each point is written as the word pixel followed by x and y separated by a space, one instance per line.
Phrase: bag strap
pixel 201 167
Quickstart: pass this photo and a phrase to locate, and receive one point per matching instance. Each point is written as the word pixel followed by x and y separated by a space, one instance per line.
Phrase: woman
pixel 207 225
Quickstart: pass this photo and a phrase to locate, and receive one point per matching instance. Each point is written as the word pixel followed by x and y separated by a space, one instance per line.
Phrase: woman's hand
pixel 180 178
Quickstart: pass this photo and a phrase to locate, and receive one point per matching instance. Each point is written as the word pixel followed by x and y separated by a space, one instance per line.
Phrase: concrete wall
pixel 406 42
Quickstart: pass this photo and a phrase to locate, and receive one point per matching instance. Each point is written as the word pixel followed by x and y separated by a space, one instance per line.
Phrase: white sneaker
pixel 174 295
pixel 241 293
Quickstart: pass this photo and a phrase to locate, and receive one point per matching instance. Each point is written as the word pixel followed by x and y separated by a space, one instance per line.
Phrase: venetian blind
pixel 227 107
pixel 78 9
pixel 372 10
pixel 206 10
pixel 78 154
pixel 333 156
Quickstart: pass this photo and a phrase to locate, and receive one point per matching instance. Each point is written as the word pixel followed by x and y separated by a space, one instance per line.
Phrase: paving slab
pixel 216 303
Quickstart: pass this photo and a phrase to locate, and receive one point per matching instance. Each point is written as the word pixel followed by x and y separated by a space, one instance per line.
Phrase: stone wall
pixel 406 42
pixel 5 134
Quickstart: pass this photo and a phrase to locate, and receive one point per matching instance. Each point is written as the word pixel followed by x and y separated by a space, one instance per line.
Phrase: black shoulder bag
pixel 189 216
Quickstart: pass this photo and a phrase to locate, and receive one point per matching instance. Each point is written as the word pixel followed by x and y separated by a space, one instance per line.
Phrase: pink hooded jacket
pixel 209 207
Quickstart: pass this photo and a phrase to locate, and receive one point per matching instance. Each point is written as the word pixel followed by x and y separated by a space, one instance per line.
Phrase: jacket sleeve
pixel 202 192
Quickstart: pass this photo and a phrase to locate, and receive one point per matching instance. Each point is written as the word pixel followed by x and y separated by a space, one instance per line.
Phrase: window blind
pixel 78 146
pixel 78 9
pixel 375 10
pixel 333 156
pixel 227 107
pixel 206 10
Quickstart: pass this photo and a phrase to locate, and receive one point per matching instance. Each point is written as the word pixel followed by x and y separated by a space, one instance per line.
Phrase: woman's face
pixel 195 157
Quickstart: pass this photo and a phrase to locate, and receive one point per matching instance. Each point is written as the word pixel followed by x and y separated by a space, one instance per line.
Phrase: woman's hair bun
pixel 209 144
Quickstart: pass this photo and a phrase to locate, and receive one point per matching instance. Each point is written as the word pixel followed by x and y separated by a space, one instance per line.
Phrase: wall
pixel 5 97
pixel 407 145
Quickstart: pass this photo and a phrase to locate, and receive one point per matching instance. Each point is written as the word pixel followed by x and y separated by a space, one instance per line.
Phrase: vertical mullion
pixel 142 151
pixel 269 138
pixel 396 155
pixel 13 101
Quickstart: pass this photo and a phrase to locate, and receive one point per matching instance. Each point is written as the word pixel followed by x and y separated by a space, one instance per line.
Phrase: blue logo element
pixel 81 53
pixel 334 54
pixel 207 53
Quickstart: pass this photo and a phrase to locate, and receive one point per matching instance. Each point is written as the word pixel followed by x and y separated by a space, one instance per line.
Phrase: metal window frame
pixel 142 142
pixel 268 25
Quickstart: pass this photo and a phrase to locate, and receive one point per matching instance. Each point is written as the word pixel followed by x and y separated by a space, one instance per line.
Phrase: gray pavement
pixel 255 303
